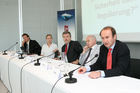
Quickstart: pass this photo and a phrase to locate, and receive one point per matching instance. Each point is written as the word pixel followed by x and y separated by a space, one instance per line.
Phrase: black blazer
pixel 34 47
pixel 74 51
pixel 120 60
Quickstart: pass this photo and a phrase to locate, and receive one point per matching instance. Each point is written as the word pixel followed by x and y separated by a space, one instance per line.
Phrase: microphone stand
pixel 21 56
pixel 71 79
pixel 37 63
pixel 74 80
pixel 4 52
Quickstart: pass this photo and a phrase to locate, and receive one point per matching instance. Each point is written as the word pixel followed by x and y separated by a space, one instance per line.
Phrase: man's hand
pixel 23 42
pixel 95 74
pixel 55 50
pixel 75 62
pixel 56 58
pixel 85 49
pixel 82 70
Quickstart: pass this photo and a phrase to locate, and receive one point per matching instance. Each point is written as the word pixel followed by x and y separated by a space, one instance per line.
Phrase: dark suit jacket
pixel 120 60
pixel 74 51
pixel 34 47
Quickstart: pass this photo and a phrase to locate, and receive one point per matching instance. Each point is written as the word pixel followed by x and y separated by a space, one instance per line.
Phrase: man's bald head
pixel 90 41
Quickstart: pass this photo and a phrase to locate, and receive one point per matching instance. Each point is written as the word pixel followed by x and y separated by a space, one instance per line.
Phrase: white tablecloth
pixel 40 79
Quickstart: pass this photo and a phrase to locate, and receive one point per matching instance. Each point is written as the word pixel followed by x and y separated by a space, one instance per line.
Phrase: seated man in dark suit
pixel 72 49
pixel 114 57
pixel 30 46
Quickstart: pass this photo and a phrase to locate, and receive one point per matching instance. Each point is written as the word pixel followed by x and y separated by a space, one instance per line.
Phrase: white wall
pixel 8 23
pixel 40 18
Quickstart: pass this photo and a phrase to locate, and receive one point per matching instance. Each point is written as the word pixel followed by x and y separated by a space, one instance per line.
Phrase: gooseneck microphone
pixel 37 63
pixel 4 52
pixel 56 54
pixel 74 80
pixel 96 55
pixel 21 56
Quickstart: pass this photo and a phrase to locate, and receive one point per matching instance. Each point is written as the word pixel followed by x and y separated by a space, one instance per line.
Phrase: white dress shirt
pixel 95 50
pixel 102 72
pixel 48 51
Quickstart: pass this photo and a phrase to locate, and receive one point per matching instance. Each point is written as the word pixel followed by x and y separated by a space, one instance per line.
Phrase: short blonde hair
pixel 49 35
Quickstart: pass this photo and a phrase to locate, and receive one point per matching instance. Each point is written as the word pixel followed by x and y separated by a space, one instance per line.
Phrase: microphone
pixel 4 52
pixel 21 56
pixel 56 54
pixel 96 55
pixel 37 63
pixel 74 80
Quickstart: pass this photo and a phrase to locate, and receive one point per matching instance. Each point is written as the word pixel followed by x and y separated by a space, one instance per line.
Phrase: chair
pixel 135 68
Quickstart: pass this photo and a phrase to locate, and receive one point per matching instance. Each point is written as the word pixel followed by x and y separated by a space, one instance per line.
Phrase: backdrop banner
pixel 66 22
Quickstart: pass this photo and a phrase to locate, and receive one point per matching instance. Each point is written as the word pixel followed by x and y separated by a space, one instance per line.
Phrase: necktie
pixel 66 49
pixel 27 48
pixel 109 59
pixel 87 56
